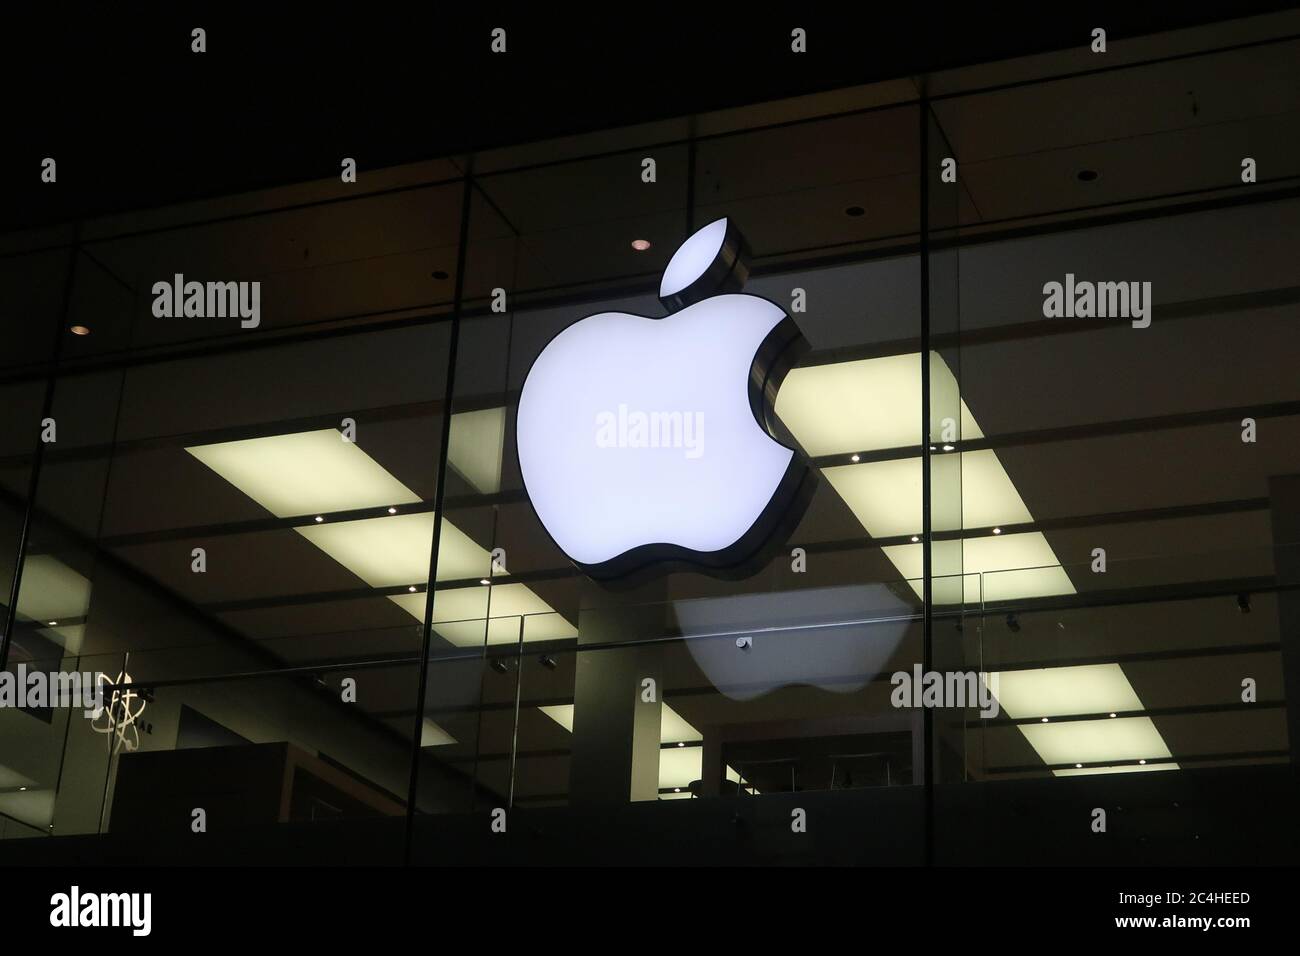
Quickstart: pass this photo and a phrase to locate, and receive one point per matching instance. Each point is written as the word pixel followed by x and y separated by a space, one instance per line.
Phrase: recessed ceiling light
pixel 440 275
pixel 1044 720
pixel 79 330
pixel 681 743
pixel 319 519
pixel 1079 765
pixel 53 623
pixel 411 589
pixel 997 530
pixel 392 511
pixel 484 581
pixel 854 211
pixel 677 789
pixel 640 245
pixel 915 538
pixel 1142 762
pixel 855 458
pixel 948 447
pixel 1087 175
pixel 1112 715
pixel 22 788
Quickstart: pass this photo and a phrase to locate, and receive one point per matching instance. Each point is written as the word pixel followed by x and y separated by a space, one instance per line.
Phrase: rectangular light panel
pixel 461 615
pixel 474 447
pixel 317 472
pixel 51 590
pixel 874 404
pixel 1056 692
pixel 304 473
pixel 864 405
pixel 1094 741
pixel 1061 691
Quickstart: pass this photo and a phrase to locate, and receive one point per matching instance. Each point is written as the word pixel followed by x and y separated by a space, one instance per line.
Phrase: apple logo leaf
pixel 713 260
pixel 650 444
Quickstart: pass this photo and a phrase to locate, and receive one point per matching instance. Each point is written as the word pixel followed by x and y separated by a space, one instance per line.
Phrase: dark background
pixel 136 119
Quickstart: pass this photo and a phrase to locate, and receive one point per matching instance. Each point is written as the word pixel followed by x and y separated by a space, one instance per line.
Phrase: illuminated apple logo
pixel 650 443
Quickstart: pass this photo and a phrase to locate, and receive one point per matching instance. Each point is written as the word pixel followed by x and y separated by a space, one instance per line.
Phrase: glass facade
pixel 303 556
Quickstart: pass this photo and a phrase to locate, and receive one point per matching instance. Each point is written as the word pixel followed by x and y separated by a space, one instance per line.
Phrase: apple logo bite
pixel 649 443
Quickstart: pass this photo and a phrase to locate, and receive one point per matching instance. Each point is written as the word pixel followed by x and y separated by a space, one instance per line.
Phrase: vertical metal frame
pixel 426 635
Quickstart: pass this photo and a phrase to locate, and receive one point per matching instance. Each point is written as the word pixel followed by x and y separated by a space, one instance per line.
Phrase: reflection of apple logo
pixel 837 638
pixel 647 441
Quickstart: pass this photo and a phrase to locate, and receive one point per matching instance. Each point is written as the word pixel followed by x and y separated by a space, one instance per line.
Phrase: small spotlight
pixel 52 623
pixel 1013 623
pixel 915 538
pixel 319 519
pixel 392 511
pixel 1044 720
pixel 1112 715
pixel 1087 175
pixel 681 743
pixel 677 789
pixel 411 589
pixel 440 274
pixel 1142 762
pixel 79 330
pixel 22 788
pixel 547 661
pixel 1243 602
pixel 499 665
pixel 997 530
pixel 640 245
pixel 484 581
pixel 855 458
pixel 854 212
pixel 949 447
pixel 1078 766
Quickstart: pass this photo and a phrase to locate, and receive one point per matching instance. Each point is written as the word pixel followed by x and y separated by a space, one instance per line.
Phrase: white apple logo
pixel 649 441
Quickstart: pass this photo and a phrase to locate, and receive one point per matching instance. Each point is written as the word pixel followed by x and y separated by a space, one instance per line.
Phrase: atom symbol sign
pixel 119 715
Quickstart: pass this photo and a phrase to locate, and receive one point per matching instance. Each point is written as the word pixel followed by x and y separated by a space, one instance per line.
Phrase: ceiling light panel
pixel 304 473
pixel 997 568
pixel 864 405
pixel 1062 692
pixel 460 615
pixel 51 590
pixel 316 472
pixel 475 445
pixel 393 550
pixel 1123 768
pixel 562 714
pixel 850 407
pixel 1096 741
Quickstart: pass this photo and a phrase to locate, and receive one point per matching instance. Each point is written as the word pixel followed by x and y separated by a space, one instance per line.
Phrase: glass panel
pixel 231 510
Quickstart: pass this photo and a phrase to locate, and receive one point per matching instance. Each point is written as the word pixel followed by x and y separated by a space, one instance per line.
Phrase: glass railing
pixel 1141 667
